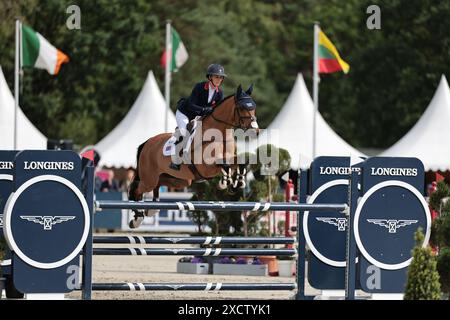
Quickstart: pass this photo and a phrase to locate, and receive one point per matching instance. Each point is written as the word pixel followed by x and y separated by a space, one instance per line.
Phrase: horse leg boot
pixel 239 181
pixel 226 179
pixel 136 195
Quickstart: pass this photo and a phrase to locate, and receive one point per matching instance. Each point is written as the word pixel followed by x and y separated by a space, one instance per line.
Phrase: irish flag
pixel 179 53
pixel 37 52
pixel 329 59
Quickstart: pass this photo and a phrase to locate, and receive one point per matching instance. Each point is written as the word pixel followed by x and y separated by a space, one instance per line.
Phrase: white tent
pixel 28 136
pixel 144 120
pixel 428 139
pixel 292 130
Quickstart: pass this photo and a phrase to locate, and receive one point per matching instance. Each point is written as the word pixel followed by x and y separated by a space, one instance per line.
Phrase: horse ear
pixel 239 91
pixel 249 90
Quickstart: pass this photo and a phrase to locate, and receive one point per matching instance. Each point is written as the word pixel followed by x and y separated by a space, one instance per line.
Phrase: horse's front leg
pixel 239 180
pixel 226 179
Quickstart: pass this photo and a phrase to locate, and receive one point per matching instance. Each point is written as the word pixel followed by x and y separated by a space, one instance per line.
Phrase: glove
pixel 207 110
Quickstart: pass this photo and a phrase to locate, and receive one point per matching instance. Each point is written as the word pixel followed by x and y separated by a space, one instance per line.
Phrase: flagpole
pixel 316 80
pixel 16 81
pixel 168 75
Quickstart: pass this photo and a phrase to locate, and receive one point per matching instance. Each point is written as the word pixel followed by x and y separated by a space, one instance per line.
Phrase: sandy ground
pixel 163 269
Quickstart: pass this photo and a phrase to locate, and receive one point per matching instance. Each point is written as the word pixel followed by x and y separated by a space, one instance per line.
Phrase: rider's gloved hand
pixel 207 110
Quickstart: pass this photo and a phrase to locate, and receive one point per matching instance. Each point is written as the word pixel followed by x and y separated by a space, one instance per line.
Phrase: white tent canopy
pixel 28 136
pixel 427 140
pixel 144 120
pixel 292 129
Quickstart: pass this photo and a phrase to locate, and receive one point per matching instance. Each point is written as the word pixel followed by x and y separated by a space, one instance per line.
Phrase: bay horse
pixel 237 111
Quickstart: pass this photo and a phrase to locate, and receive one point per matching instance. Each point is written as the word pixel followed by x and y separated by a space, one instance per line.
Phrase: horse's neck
pixel 223 118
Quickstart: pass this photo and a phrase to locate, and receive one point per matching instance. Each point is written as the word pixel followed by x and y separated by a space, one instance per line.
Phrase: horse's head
pixel 245 112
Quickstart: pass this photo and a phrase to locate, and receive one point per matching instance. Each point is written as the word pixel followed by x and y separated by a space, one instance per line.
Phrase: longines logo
pixel 47 221
pixel 4 165
pixel 47 165
pixel 340 223
pixel 402 172
pixel 392 224
pixel 337 170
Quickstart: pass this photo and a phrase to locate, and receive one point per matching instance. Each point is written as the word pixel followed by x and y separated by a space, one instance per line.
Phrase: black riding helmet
pixel 215 70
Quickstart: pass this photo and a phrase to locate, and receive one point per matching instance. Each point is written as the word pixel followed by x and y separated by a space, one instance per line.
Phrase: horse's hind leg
pixel 136 194
pixel 152 212
pixel 132 192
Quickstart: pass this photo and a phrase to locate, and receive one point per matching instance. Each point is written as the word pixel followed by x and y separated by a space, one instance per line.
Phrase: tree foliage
pixel 394 71
pixel 423 278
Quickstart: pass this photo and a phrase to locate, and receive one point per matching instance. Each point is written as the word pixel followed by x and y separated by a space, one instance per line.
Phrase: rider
pixel 204 97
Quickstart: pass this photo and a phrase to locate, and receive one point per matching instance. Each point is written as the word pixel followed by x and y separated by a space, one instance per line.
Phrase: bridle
pixel 240 117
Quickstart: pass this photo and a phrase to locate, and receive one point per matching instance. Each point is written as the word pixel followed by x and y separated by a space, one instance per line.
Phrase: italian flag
pixel 329 59
pixel 37 52
pixel 179 53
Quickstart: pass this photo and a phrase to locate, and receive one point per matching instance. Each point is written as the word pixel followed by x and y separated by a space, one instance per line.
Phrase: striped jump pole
pixel 191 251
pixel 210 286
pixel 218 206
pixel 193 240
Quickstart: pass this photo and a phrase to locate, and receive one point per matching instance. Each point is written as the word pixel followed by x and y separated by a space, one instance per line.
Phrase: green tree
pixel 423 278
pixel 443 266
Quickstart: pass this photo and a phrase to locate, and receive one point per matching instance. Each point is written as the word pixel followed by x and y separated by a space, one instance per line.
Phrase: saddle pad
pixel 169 147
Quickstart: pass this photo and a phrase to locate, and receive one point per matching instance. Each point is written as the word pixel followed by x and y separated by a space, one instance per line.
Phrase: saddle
pixel 176 138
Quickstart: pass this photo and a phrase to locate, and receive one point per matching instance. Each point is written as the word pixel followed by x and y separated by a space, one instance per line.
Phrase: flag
pixel 439 177
pixel 179 53
pixel 88 155
pixel 329 59
pixel 37 52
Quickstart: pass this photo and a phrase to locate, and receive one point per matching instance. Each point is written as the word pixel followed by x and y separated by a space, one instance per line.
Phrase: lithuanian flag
pixel 329 59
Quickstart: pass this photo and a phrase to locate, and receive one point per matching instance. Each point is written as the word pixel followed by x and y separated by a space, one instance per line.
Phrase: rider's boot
pixel 181 138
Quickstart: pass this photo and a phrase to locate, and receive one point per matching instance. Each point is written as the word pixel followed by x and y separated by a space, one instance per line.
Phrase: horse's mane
pixel 218 105
pixel 223 100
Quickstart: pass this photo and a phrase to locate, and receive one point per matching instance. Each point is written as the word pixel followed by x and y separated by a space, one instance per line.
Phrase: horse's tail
pixel 135 183
pixel 136 177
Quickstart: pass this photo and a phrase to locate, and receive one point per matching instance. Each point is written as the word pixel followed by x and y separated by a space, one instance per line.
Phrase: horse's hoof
pixel 136 222
pixel 222 185
pixel 232 190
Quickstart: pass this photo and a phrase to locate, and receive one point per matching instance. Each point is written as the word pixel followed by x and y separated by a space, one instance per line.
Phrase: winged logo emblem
pixel 392 224
pixel 175 251
pixel 173 240
pixel 47 221
pixel 175 287
pixel 340 223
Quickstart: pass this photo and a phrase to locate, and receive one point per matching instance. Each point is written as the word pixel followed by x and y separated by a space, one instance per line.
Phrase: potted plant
pixel 240 266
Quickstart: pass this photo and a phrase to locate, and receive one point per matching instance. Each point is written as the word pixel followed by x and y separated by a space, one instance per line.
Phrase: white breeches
pixel 182 122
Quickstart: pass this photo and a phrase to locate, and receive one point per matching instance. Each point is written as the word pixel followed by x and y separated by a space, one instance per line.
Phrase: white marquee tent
pixel 428 139
pixel 145 119
pixel 292 130
pixel 28 136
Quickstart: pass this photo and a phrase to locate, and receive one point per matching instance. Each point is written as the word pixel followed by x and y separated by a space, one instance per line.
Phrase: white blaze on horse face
pixel 254 125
